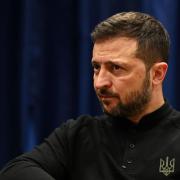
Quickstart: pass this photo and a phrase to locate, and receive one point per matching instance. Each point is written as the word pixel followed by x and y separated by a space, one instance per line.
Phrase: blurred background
pixel 45 63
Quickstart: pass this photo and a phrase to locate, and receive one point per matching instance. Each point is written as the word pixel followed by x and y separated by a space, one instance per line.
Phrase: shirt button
pixel 129 162
pixel 132 146
pixel 123 166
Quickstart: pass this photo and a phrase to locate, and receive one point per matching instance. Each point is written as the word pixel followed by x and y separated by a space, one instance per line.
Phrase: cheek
pixel 94 82
pixel 123 86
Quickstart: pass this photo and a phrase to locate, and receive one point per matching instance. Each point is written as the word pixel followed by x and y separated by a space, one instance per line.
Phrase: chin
pixel 108 108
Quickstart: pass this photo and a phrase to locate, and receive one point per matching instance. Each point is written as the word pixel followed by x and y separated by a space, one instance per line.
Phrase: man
pixel 138 136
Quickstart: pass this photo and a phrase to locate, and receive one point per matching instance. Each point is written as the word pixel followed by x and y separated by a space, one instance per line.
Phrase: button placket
pixel 129 159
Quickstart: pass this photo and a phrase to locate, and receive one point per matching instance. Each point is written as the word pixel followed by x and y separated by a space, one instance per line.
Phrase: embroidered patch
pixel 167 166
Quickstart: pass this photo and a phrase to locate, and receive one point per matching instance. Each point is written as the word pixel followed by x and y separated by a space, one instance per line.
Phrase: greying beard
pixel 136 102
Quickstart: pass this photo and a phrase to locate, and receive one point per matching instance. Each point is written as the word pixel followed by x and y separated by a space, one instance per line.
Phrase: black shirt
pixel 105 148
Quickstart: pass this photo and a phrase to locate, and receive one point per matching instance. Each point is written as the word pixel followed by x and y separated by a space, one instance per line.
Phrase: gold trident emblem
pixel 167 166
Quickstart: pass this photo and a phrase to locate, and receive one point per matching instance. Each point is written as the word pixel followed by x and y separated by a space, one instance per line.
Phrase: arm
pixel 47 161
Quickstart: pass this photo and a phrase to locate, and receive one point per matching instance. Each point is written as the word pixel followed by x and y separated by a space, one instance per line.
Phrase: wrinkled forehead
pixel 116 47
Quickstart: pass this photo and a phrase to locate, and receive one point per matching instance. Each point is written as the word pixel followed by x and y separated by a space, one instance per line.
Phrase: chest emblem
pixel 167 166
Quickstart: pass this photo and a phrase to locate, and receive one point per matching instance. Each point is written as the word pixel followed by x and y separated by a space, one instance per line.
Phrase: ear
pixel 158 72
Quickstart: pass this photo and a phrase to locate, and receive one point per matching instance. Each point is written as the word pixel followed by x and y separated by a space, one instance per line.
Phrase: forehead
pixel 116 47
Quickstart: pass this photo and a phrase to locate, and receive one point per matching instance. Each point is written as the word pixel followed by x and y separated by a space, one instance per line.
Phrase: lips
pixel 105 94
pixel 105 97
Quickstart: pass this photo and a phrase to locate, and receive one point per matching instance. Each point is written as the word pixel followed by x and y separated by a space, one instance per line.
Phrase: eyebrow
pixel 110 62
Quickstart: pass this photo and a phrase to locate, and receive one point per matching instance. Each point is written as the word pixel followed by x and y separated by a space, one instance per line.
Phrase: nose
pixel 102 80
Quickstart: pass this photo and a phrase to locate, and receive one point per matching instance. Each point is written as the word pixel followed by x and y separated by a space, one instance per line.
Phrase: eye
pixel 115 67
pixel 96 67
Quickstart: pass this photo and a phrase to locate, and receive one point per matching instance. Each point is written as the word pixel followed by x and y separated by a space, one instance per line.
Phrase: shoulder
pixel 82 125
pixel 175 118
pixel 86 121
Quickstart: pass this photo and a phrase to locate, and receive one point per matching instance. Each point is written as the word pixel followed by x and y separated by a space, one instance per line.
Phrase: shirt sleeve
pixel 48 161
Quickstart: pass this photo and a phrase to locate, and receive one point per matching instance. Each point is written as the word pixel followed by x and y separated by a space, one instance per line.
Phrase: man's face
pixel 121 82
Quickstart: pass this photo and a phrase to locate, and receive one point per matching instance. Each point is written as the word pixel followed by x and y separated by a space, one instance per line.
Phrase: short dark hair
pixel 152 38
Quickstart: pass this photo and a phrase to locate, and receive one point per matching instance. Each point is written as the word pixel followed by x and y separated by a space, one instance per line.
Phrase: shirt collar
pixel 147 122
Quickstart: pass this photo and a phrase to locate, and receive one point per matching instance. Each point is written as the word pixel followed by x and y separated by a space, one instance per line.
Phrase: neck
pixel 152 106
